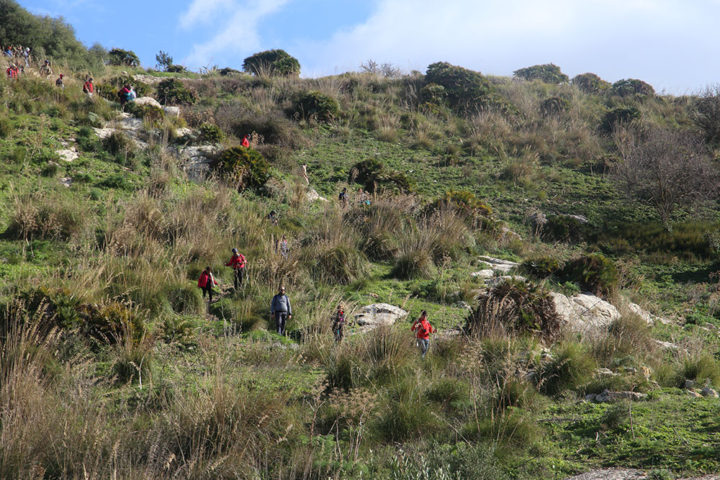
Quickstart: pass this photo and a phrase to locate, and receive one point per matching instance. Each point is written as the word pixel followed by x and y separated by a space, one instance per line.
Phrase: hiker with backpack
pixel 237 262
pixel 338 323
pixel 207 282
pixel 12 72
pixel 423 329
pixel 280 310
pixel 60 83
pixel 126 94
pixel 343 197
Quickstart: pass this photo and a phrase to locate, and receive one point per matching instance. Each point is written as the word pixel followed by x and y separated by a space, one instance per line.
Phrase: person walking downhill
pixel 280 310
pixel 237 262
pixel 282 247
pixel 245 142
pixel 423 329
pixel 338 324
pixel 88 87
pixel 60 83
pixel 207 282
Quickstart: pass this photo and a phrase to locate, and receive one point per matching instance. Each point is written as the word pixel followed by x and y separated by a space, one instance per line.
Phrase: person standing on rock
pixel 338 324
pixel 423 329
pixel 237 262
pixel 280 310
pixel 207 282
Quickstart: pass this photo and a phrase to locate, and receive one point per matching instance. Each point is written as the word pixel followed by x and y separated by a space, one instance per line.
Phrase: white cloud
pixel 237 27
pixel 614 38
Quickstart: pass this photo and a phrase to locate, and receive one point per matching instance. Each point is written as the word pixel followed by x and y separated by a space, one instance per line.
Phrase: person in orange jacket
pixel 423 329
pixel 207 282
pixel 237 262
pixel 245 142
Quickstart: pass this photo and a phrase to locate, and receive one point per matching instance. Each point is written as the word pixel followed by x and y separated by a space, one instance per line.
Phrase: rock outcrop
pixel 584 313
pixel 379 314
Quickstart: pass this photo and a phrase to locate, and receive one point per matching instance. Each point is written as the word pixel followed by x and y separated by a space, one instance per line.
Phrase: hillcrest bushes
pixel 273 63
pixel 548 73
pixel 174 92
pixel 466 91
pixel 316 106
pixel 375 176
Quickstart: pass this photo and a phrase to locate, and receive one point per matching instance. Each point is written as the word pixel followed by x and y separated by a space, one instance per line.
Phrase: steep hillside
pixel 576 304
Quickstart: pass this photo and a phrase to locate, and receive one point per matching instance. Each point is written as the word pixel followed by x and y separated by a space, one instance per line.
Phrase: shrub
pixel 541 267
pixel 594 272
pixel 120 146
pixel 569 367
pixel 618 117
pixel 702 369
pixel 243 168
pixel 548 73
pixel 433 93
pixel 565 228
pixel 185 299
pixel 465 203
pixel 707 114
pixel 554 106
pixel 210 133
pixel 6 128
pixel 339 264
pixel 125 58
pixel 174 92
pixel 414 264
pixel 631 86
pixel 590 83
pixel 273 129
pixel 38 216
pixel 375 176
pixel 467 91
pixel 515 308
pixel 272 62
pixel 316 106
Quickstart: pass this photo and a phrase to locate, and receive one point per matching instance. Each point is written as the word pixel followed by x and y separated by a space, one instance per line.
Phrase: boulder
pixel 498 265
pixel 708 392
pixel 667 345
pixel 379 314
pixel 495 281
pixel 147 101
pixel 172 111
pixel 584 313
pixel 487 273
pixel 611 474
pixel 610 397
pixel 183 132
pixel 68 154
pixel 649 318
pixel 605 372
pixel 312 196
pixel 196 160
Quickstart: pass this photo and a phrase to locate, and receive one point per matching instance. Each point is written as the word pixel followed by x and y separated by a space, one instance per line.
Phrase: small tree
pixel 272 62
pixel 707 114
pixel 548 73
pixel 164 60
pixel 173 92
pixel 465 90
pixel 590 83
pixel 668 169
pixel 632 86
pixel 243 168
pixel 125 58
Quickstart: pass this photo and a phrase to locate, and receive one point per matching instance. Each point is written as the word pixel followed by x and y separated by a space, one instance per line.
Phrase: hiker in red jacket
pixel 88 87
pixel 338 323
pixel 423 329
pixel 207 282
pixel 12 72
pixel 237 262
pixel 245 142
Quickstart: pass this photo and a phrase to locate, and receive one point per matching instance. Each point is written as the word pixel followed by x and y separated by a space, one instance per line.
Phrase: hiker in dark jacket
pixel 237 262
pixel 281 310
pixel 338 324
pixel 207 282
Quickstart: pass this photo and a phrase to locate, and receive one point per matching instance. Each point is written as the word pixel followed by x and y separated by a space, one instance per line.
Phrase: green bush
pixel 223 309
pixel 273 63
pixel 375 176
pixel 464 202
pixel 569 367
pixel 548 73
pixel 244 168
pixel 185 299
pixel 541 267
pixel 702 369
pixel 120 146
pixel 124 58
pixel 174 92
pixel 564 228
pixel 590 83
pixel 632 86
pixel 339 264
pixel 594 272
pixel 276 130
pixel 618 117
pixel 6 128
pixel 414 264
pixel 433 93
pixel 467 91
pixel 210 133
pixel 316 106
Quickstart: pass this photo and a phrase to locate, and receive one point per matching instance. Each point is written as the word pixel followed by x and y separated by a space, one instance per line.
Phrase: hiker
pixel 45 70
pixel 132 96
pixel 338 323
pixel 26 56
pixel 282 247
pixel 59 82
pixel 343 197
pixel 88 87
pixel 363 197
pixel 237 262
pixel 245 142
pixel 207 282
pixel 305 174
pixel 12 72
pixel 423 329
pixel 280 310
pixel 124 95
pixel 273 217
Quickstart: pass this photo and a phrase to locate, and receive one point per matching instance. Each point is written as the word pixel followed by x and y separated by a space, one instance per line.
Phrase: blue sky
pixel 673 44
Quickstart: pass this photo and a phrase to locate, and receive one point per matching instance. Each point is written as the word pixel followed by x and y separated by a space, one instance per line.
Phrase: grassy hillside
pixel 113 365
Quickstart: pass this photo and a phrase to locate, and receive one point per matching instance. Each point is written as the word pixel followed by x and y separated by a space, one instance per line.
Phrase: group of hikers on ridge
pixel 281 308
